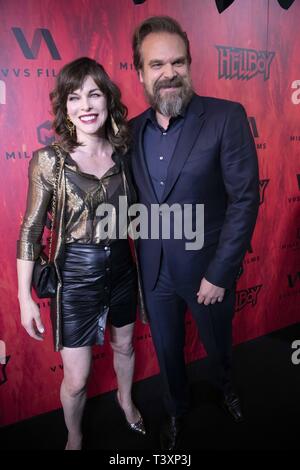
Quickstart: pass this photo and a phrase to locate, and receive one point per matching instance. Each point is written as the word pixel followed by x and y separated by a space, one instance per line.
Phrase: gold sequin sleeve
pixel 41 175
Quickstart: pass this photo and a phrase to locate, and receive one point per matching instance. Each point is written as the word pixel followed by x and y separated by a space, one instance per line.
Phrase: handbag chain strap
pixel 54 197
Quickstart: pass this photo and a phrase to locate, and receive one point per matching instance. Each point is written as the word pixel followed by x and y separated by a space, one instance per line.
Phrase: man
pixel 190 150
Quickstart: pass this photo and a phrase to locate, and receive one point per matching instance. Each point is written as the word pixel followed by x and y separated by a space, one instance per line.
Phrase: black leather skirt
pixel 98 283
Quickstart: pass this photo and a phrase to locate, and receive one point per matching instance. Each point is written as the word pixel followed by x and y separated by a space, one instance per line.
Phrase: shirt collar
pixel 151 116
pixel 112 171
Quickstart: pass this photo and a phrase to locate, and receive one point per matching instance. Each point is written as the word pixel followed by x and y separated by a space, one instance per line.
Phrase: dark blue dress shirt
pixel 159 146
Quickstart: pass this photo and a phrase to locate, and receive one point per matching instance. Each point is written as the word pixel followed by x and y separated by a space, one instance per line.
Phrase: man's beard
pixel 172 103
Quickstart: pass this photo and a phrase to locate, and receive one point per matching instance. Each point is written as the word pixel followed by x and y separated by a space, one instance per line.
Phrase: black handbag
pixel 44 277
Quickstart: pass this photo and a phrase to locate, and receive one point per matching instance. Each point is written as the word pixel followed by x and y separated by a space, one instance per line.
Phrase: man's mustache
pixel 173 83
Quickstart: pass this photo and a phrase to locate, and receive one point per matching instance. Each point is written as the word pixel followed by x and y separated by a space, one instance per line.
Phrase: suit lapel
pixel 191 128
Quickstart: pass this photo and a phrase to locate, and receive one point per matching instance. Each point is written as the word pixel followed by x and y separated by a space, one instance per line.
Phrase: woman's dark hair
pixel 71 78
pixel 156 24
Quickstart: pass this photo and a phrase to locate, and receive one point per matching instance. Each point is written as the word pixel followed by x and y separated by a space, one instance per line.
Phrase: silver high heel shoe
pixel 139 426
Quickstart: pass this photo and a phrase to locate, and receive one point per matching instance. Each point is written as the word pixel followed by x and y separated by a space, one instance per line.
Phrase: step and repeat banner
pixel 250 54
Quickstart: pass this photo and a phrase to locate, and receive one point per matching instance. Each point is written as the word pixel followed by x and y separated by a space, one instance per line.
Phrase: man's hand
pixel 209 293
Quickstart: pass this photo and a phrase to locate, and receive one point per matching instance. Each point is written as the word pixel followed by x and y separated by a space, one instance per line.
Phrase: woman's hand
pixel 31 318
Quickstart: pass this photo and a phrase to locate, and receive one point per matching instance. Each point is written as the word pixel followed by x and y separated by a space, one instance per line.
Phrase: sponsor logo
pixel 262 188
pixel 45 133
pixel 247 296
pixel 295 97
pixel 2 92
pixel 17 155
pixel 253 126
pixel 293 283
pixel 295 198
pixel 250 257
pixel 126 66
pixel 243 64
pixel 26 73
pixel 292 245
pixel 293 279
pixel 252 123
pixel 40 35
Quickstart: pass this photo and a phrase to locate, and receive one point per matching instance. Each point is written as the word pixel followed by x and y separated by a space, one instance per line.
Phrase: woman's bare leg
pixel 77 364
pixel 124 359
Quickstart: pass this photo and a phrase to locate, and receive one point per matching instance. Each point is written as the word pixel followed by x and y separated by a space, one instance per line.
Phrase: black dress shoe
pixel 170 432
pixel 231 403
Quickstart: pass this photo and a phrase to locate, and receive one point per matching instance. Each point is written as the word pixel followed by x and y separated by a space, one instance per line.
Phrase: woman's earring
pixel 70 126
pixel 114 126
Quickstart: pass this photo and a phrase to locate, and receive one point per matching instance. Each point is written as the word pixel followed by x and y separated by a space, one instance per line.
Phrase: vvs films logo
pixel 293 279
pixel 262 188
pixel 247 296
pixel 243 64
pixel 40 34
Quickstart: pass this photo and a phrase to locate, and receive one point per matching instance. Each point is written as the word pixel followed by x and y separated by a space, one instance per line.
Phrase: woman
pixel 96 275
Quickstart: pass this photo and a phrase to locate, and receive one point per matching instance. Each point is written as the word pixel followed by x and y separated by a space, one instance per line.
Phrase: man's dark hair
pixel 156 24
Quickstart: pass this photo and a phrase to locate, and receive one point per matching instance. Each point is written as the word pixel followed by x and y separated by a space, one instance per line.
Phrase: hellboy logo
pixel 243 64
pixel 247 296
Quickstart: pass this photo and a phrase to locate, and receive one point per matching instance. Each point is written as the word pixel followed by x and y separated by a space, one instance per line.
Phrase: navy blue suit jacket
pixel 215 164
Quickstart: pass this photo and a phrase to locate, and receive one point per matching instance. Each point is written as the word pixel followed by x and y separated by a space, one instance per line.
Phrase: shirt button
pixel 164 133
pixel 161 183
pixel 106 248
pixel 161 158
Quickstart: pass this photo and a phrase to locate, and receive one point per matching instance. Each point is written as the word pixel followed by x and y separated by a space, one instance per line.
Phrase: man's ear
pixel 141 79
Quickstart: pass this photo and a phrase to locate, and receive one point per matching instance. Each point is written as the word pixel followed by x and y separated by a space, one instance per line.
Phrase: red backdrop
pixel 249 53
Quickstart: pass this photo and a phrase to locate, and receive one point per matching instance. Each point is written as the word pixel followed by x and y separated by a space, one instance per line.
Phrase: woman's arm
pixel 41 179
pixel 30 314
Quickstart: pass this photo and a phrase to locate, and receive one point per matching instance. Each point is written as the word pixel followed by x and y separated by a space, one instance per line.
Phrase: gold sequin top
pixel 85 218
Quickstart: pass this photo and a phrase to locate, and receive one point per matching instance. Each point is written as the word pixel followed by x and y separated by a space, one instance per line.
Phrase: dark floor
pixel 268 384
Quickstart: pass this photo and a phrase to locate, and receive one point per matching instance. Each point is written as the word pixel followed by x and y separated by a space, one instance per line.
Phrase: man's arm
pixel 239 165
